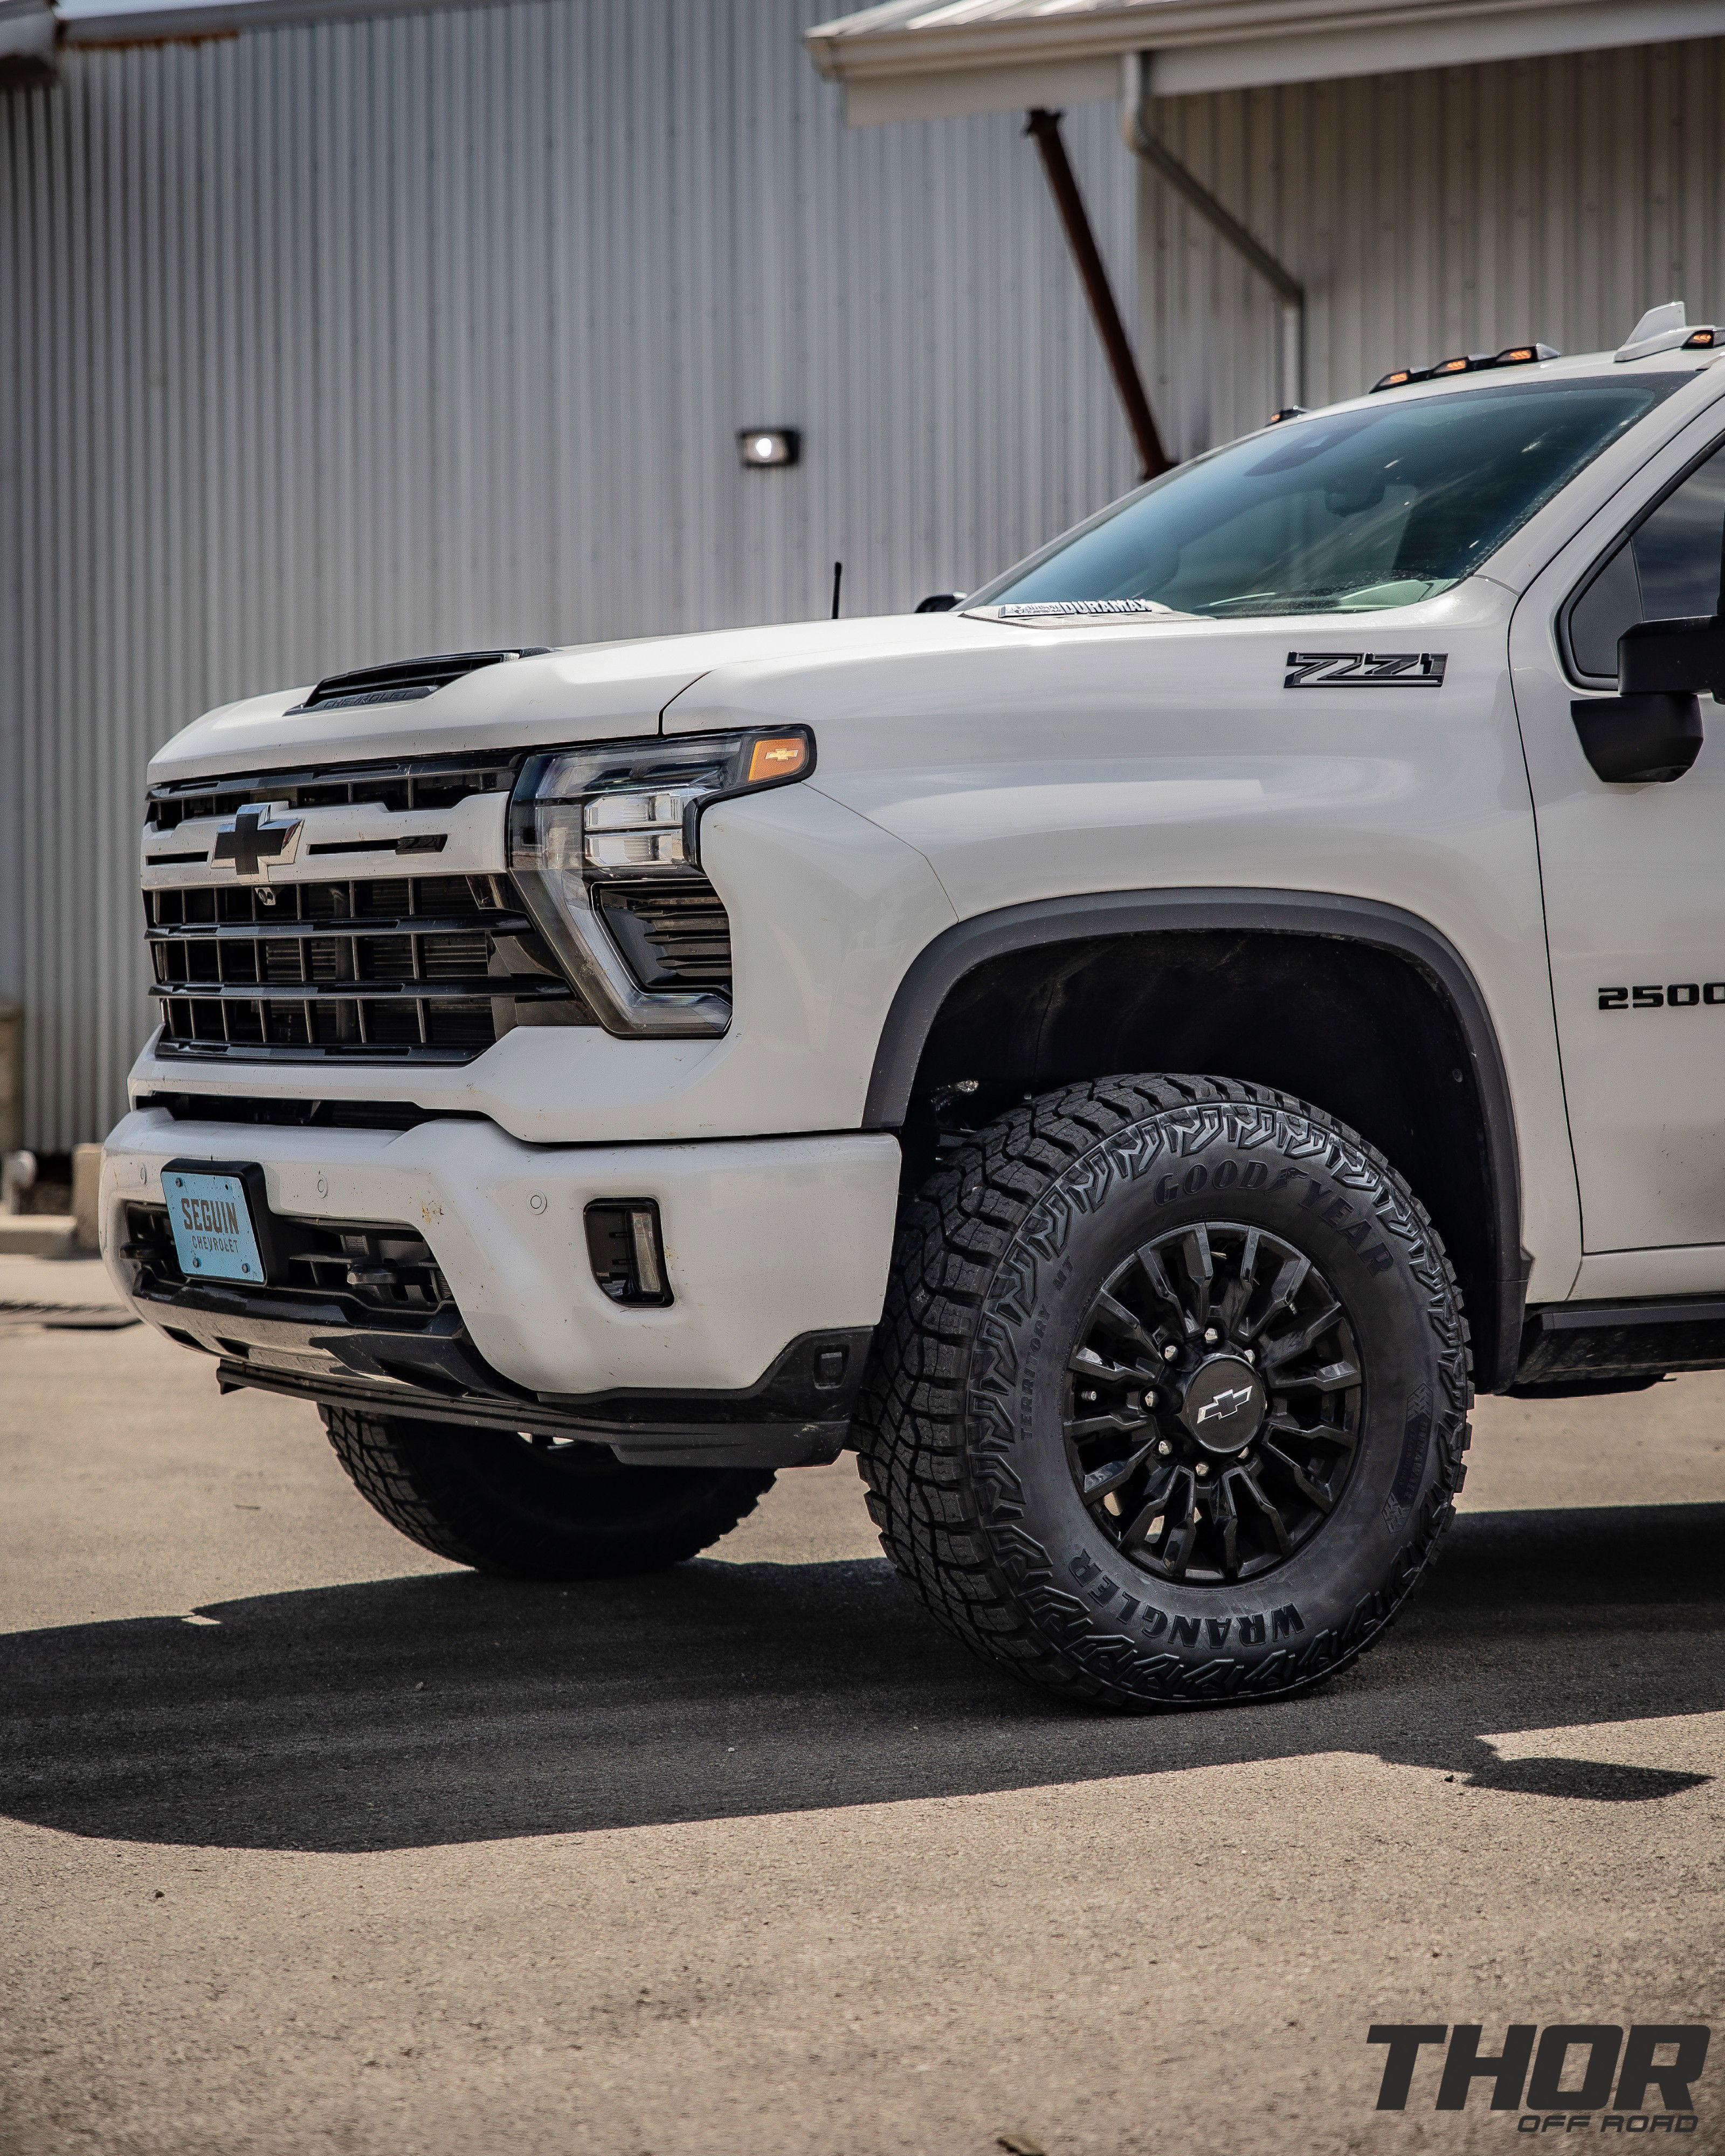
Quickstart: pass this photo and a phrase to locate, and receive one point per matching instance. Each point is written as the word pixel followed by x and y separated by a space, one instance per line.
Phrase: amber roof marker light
pixel 1466 362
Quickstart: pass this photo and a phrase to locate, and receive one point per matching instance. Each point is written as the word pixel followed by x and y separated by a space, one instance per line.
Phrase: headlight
pixel 622 814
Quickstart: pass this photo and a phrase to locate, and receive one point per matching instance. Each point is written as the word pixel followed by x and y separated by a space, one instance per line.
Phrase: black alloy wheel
pixel 1168 1403
pixel 1213 1404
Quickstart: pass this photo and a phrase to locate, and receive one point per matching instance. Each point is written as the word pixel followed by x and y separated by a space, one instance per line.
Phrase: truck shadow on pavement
pixel 408 1713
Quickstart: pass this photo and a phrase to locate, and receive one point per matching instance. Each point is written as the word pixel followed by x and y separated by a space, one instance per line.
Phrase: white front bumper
pixel 765 1239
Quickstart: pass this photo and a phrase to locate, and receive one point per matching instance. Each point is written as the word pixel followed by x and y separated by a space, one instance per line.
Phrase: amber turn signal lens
pixel 782 756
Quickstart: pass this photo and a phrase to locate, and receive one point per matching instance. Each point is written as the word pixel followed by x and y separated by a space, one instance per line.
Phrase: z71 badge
pixel 1365 670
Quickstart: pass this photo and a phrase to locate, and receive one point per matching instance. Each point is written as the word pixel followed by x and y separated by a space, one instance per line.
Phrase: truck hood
pixel 586 692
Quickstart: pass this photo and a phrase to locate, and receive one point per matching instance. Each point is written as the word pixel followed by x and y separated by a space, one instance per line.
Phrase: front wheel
pixel 1169 1402
pixel 530 1507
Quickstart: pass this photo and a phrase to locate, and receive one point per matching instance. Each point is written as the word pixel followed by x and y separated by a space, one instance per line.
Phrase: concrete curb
pixel 38 1234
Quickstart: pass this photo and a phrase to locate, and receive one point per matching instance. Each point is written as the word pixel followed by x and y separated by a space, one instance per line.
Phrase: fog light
pixel 626 1251
pixel 769 445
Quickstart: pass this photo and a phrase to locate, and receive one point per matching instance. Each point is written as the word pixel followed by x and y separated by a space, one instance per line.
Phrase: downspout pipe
pixel 1290 292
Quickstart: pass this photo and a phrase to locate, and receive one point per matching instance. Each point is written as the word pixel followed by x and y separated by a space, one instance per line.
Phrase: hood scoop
pixel 404 681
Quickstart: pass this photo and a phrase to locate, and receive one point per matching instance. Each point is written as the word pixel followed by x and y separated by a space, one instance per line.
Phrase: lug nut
pixel 1164 1448
pixel 1201 1468
pixel 1210 1335
pixel 1170 1354
pixel 1250 1354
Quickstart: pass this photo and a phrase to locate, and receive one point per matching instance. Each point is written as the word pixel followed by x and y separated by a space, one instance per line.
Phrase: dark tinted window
pixel 1669 565
pixel 1376 507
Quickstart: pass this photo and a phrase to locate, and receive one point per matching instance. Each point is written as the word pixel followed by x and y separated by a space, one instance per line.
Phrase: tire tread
pixel 911 1422
pixel 411 1484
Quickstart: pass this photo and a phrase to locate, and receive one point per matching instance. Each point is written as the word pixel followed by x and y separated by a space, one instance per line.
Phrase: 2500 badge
pixel 1676 995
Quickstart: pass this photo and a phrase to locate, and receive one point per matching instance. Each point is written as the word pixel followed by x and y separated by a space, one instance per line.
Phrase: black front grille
pixel 427 968
pixel 331 1275
pixel 299 1114
pixel 422 783
pixel 673 935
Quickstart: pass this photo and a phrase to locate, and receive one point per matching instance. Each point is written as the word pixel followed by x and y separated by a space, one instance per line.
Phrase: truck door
pixel 1635 887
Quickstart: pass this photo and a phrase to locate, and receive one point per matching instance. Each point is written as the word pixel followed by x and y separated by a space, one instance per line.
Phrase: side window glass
pixel 1669 565
pixel 1606 606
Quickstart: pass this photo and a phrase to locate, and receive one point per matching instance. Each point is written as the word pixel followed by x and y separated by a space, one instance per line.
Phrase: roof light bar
pixel 1700 340
pixel 1467 362
pixel 1287 412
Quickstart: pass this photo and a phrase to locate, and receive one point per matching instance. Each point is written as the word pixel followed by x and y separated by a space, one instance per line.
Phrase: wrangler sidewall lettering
pixel 1297 1177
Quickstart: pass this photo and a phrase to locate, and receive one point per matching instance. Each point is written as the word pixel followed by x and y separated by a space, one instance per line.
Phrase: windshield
pixel 1373 508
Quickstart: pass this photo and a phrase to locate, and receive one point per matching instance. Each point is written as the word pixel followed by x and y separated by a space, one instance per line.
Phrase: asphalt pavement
pixel 312 1842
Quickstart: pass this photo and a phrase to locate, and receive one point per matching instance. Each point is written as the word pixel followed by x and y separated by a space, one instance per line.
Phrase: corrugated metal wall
pixel 1459 209
pixel 327 344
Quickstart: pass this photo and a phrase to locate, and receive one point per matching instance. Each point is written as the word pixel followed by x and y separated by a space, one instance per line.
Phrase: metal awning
pixel 26 33
pixel 927 60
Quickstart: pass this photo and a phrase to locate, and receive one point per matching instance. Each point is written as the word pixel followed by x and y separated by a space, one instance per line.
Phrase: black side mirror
pixel 1681 658
pixel 1650 733
pixel 939 602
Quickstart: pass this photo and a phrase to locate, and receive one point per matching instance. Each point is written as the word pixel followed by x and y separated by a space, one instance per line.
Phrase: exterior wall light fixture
pixel 763 446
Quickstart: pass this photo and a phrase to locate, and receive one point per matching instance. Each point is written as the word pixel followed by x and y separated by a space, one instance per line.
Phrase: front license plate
pixel 213 1235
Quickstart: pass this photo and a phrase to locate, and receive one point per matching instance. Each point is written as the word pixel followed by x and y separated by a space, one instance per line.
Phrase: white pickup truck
pixel 1125 1053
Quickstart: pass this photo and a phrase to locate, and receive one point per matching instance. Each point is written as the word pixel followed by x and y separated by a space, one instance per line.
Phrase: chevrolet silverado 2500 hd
pixel 1126 1055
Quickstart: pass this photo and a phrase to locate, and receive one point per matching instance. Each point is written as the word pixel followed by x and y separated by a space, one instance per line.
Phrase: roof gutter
pixel 928 62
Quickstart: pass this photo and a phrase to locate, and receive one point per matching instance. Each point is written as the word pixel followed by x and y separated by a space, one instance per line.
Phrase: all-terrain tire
pixel 966 1425
pixel 535 1509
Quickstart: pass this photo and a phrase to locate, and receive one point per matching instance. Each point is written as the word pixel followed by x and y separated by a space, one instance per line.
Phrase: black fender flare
pixel 938 969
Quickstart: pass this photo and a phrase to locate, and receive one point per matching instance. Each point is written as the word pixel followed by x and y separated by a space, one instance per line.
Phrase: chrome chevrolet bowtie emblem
pixel 251 842
pixel 1225 1404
